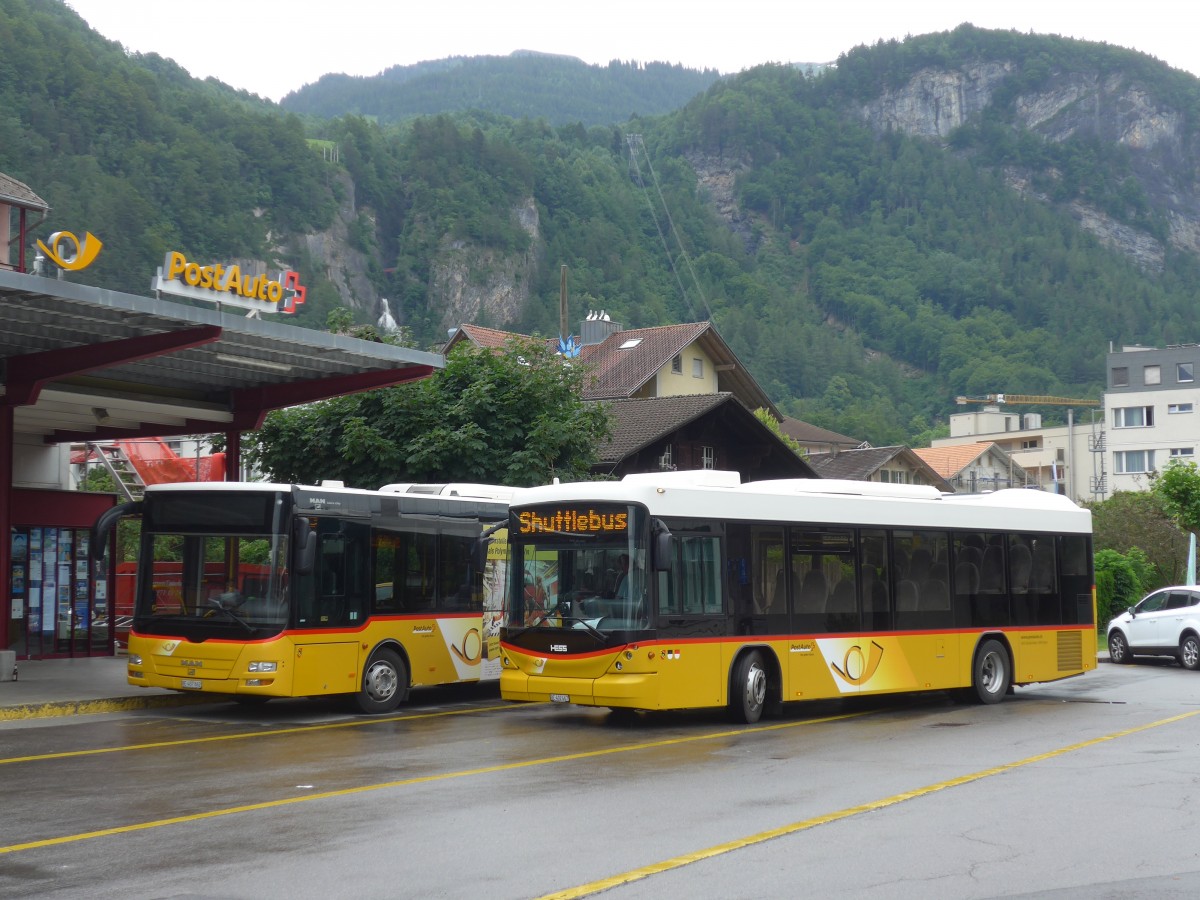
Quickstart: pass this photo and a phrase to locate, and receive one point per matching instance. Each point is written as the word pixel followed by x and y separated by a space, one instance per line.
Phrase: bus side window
pixel 457 578
pixel 386 548
pixel 415 571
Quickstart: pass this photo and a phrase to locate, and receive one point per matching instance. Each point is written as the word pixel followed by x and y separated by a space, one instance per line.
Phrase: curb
pixel 59 708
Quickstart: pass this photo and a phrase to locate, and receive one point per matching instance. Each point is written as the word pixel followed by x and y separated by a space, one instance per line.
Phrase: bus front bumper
pixel 637 690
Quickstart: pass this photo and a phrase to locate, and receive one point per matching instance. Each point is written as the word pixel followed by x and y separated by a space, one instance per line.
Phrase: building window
pixel 630 344
pixel 708 457
pixel 1132 462
pixel 677 364
pixel 697 368
pixel 1032 444
pixel 666 461
pixel 1152 375
pixel 1174 409
pixel 1183 452
pixel 1120 376
pixel 1183 373
pixel 1133 417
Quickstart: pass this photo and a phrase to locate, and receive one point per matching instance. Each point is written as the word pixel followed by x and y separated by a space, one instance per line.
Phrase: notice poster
pixel 18 608
pixel 35 540
pixel 35 610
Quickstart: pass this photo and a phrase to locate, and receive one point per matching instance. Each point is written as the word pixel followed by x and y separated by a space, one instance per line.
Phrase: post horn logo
pixel 67 252
pixel 856 668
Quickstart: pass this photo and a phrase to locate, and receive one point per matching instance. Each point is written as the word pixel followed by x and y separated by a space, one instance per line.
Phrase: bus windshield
pixel 199 580
pixel 582 568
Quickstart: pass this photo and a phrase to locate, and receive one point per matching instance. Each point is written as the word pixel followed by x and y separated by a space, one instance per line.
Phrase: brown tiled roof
pixel 949 461
pixel 18 194
pixel 483 338
pixel 804 433
pixel 638 423
pixel 619 373
pixel 860 465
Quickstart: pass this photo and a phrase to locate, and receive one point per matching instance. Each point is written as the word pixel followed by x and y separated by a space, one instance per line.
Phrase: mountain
pixel 967 212
pixel 560 89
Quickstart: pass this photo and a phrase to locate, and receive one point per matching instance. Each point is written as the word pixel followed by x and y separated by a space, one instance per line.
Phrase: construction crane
pixel 1025 400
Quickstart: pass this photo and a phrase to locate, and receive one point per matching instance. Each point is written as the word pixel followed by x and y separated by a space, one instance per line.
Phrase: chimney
pixel 596 328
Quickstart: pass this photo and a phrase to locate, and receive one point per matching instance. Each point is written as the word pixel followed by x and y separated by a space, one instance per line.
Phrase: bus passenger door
pixel 691 612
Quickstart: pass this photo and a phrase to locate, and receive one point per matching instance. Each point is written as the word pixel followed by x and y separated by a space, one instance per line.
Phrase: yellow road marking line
pixel 595 887
pixel 242 735
pixel 421 779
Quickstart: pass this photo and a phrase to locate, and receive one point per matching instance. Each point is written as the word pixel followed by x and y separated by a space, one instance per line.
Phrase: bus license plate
pixel 193 683
pixel 560 698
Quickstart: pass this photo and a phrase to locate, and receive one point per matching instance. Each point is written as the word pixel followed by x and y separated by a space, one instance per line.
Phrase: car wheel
pixel 748 690
pixel 991 674
pixel 1118 648
pixel 1189 652
pixel 384 683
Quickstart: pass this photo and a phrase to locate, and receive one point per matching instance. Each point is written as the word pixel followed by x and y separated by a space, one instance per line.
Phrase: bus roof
pixel 721 495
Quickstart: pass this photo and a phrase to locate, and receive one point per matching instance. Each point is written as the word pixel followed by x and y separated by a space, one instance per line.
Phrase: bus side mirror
pixel 664 546
pixel 305 539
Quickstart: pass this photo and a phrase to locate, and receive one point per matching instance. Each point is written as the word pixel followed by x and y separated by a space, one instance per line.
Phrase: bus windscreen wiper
pixel 227 603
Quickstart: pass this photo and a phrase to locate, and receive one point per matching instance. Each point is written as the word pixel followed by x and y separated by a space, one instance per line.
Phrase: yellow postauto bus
pixel 265 590
pixel 684 590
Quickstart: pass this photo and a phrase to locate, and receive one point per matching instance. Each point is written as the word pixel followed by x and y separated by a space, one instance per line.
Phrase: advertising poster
pixel 35 610
pixel 18 579
pixel 35 540
pixel 20 546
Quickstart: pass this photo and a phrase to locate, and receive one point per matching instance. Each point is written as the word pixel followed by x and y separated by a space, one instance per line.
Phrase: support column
pixel 6 490
pixel 233 455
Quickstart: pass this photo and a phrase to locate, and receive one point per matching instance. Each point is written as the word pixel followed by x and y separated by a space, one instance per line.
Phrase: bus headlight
pixel 262 667
pixel 135 659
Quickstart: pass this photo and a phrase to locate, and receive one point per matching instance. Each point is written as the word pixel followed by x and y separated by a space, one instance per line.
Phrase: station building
pixel 84 364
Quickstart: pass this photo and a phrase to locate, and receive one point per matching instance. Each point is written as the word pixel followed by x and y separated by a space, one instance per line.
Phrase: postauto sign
pixel 227 285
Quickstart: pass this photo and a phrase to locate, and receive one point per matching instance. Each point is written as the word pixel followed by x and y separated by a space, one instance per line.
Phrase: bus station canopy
pixel 87 364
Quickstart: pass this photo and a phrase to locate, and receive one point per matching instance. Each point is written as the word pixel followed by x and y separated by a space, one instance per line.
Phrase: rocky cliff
pixel 1111 108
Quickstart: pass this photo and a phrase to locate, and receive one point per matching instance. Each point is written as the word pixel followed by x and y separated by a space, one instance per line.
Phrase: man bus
pixel 256 591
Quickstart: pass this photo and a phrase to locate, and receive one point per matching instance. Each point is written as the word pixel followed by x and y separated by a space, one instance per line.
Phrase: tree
pixel 1130 520
pixel 512 417
pixel 1178 487
pixel 1119 582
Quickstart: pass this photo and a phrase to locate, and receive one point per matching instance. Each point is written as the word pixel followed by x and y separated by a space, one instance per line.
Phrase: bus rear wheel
pixel 384 683
pixel 991 674
pixel 748 690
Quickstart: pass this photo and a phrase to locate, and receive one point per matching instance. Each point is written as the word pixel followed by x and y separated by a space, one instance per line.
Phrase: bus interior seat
pixel 844 598
pixel 813 593
pixel 966 578
pixel 1020 564
pixel 906 596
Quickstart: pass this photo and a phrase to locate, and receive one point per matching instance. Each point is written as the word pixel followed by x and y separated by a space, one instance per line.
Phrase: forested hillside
pixel 959 213
pixel 560 89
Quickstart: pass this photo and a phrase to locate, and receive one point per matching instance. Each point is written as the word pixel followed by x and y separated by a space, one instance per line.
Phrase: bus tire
pixel 384 683
pixel 748 689
pixel 991 673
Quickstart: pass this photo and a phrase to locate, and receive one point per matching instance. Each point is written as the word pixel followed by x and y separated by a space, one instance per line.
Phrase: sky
pixel 274 47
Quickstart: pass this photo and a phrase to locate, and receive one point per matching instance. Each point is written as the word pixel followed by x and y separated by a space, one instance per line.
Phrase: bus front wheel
pixel 748 690
pixel 991 675
pixel 384 683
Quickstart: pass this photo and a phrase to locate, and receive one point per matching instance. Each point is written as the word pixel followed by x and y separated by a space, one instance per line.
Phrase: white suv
pixel 1165 623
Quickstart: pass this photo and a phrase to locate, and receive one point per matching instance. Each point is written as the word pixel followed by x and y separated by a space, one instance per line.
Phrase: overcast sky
pixel 273 47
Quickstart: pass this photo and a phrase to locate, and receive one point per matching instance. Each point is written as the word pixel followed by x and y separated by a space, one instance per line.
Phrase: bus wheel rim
pixel 381 681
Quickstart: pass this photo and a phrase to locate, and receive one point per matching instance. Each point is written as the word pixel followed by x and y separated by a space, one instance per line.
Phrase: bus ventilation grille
pixel 1070 650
